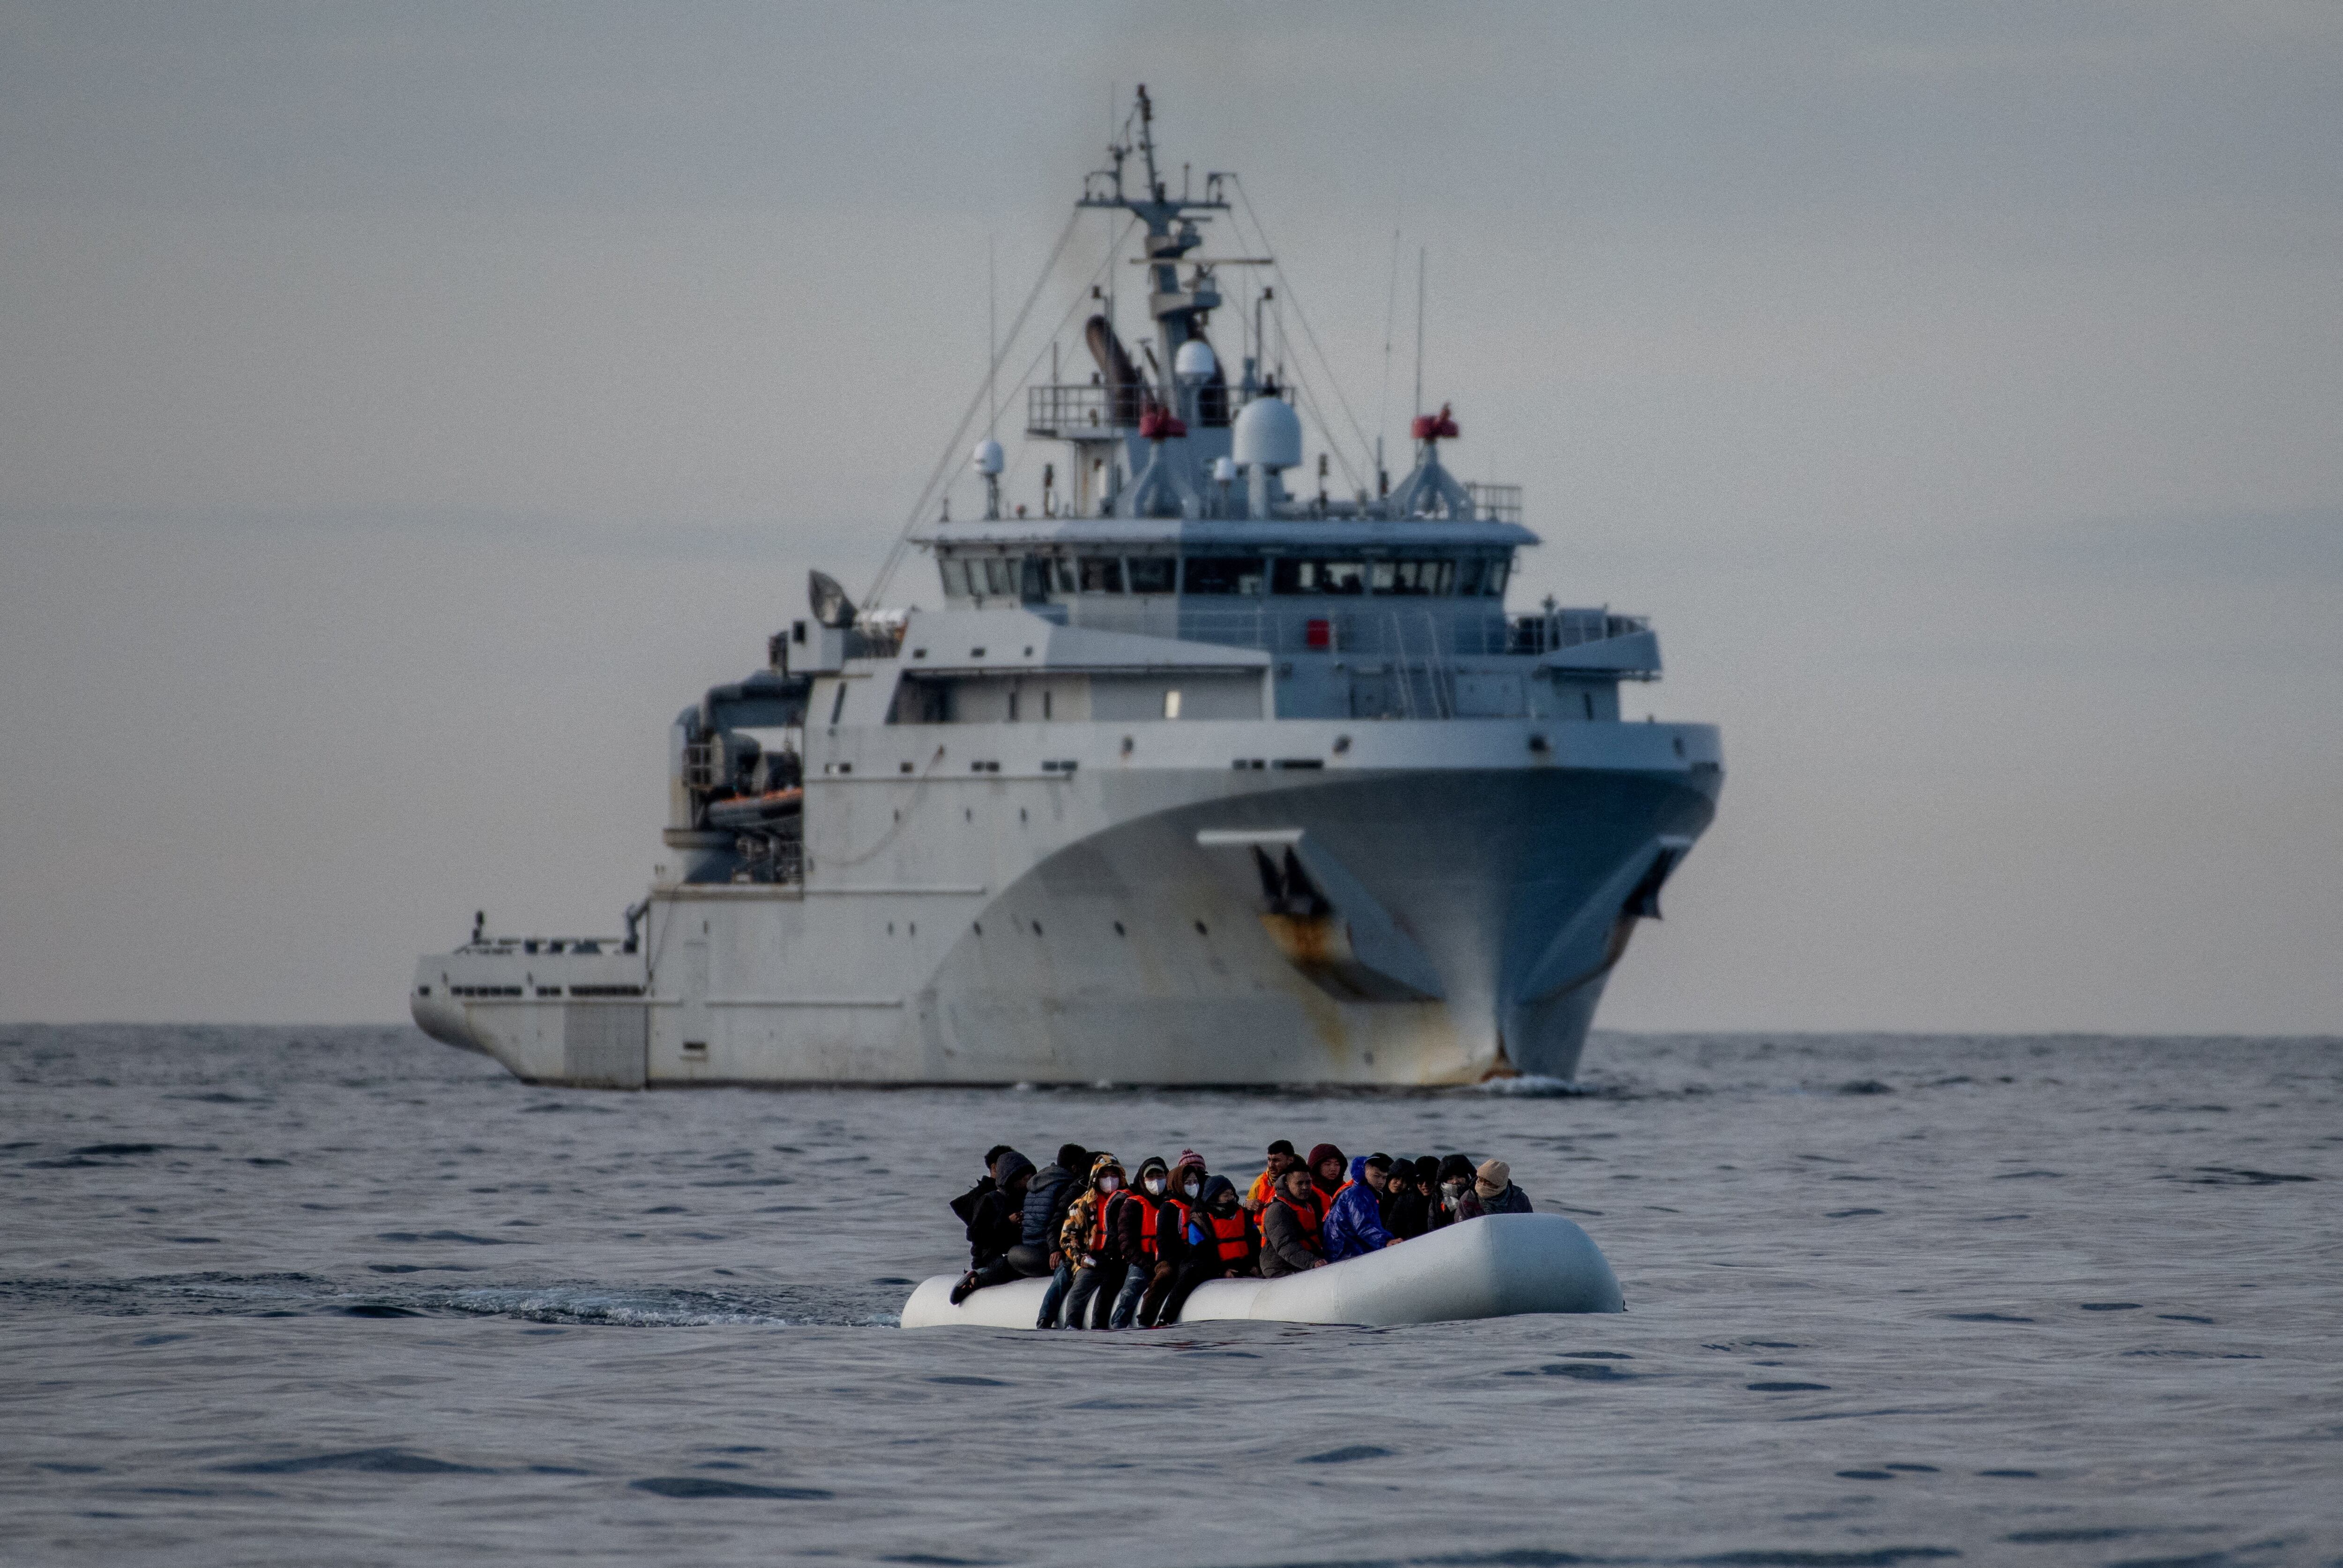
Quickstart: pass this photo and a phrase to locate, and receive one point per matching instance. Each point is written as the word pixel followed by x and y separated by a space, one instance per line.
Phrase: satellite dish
pixel 831 607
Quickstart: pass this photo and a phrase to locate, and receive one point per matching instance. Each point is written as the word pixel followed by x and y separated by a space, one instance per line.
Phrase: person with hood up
pixel 1185 1195
pixel 1354 1225
pixel 1453 1200
pixel 1327 1168
pixel 1405 1207
pixel 965 1204
pixel 1289 1226
pixel 1493 1184
pixel 1092 1244
pixel 996 1230
pixel 1051 1192
pixel 1138 1217
pixel 1221 1244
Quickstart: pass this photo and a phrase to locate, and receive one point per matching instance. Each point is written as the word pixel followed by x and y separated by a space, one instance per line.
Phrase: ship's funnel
pixel 831 606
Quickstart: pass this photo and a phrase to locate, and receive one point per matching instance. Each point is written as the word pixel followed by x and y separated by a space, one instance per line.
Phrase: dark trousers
pixel 1134 1286
pixel 1194 1272
pixel 1159 1280
pixel 1020 1262
pixel 1094 1288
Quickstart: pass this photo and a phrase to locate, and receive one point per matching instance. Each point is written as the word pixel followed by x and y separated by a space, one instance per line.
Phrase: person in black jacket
pixel 965 1204
pixel 996 1230
pixel 1404 1205
pixel 1052 1193
pixel 1222 1244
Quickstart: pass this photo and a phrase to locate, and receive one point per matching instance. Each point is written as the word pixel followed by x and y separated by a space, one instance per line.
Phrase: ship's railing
pixel 1070 410
pixel 1063 410
pixel 1495 503
pixel 1560 628
pixel 1399 628
pixel 508 946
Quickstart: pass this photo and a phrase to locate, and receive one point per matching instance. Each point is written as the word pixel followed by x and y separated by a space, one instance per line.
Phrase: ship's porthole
pixel 1020 810
pixel 969 814
pixel 1119 930
pixel 1036 928
pixel 980 927
pixel 1200 930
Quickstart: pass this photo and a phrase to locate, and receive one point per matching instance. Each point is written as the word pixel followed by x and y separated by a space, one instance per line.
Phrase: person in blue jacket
pixel 1353 1226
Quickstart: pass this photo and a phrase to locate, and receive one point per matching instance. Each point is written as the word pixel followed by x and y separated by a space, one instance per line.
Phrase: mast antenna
pixel 992 344
pixel 1419 327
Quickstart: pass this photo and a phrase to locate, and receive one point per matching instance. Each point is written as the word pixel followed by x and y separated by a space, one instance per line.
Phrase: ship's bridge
pixel 1416 588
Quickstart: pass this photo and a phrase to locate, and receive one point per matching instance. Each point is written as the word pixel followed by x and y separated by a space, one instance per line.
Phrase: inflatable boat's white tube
pixel 1492 1267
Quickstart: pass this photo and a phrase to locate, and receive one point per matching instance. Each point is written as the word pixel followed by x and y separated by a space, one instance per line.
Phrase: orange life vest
pixel 1099 1236
pixel 1308 1213
pixel 1151 1220
pixel 1230 1235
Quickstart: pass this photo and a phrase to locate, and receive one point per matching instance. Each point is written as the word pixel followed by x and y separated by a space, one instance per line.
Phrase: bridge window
pixel 1320 576
pixel 1418 578
pixel 1102 574
pixel 1225 575
pixel 1482 576
pixel 955 571
pixel 1151 574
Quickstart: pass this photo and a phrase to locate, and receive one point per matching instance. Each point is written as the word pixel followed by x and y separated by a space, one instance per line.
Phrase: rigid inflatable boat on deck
pixel 1493 1267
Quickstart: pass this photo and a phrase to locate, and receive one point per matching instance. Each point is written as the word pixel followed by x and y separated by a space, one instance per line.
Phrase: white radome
pixel 987 457
pixel 1195 361
pixel 1268 435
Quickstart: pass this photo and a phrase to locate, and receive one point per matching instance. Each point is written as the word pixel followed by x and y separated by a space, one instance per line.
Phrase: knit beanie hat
pixel 1494 1177
pixel 1321 1152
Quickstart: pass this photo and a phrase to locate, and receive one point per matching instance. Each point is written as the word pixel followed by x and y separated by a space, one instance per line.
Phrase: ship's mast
pixel 1172 232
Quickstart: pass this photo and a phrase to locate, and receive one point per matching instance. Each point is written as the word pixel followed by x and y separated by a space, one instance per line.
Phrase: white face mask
pixel 1454 1190
pixel 1191 1189
pixel 1109 1182
pixel 1155 1185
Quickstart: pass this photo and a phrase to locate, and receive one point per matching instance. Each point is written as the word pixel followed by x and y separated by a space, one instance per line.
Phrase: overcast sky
pixel 408 408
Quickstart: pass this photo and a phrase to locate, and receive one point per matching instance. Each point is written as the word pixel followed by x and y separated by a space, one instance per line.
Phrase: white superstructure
pixel 1192 780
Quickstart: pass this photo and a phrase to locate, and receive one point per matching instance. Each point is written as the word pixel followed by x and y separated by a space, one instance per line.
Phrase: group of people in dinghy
pixel 1123 1248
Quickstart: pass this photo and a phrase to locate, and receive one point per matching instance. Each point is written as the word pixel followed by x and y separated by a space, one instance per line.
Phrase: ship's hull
pixel 1450 911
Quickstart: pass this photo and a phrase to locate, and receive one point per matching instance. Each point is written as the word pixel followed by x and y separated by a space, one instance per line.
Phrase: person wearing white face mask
pixel 1454 1199
pixel 1092 1244
pixel 1140 1218
pixel 1184 1190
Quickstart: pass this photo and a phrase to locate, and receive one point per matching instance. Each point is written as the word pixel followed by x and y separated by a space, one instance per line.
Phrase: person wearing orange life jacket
pixel 1185 1191
pixel 1222 1244
pixel 1139 1216
pixel 1091 1245
pixel 1281 1158
pixel 1289 1228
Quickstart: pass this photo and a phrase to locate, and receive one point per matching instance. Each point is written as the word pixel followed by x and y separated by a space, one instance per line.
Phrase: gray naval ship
pixel 1201 775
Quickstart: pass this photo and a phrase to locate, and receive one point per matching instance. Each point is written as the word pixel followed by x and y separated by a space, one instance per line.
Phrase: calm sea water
pixel 344 1295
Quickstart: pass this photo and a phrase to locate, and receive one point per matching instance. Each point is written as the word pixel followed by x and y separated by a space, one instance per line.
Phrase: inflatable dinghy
pixel 1493 1267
